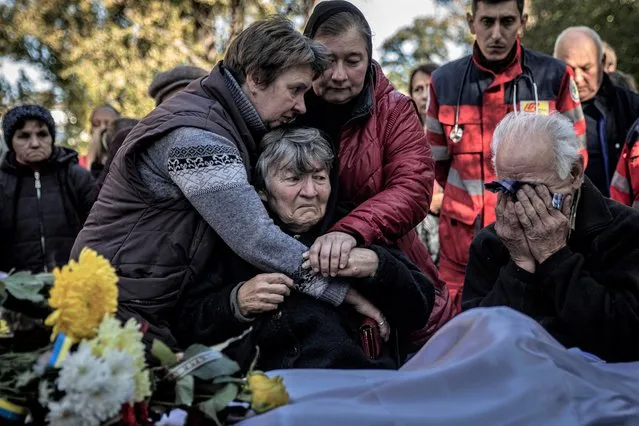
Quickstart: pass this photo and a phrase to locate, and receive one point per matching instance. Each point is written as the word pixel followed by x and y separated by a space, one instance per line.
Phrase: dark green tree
pixel 96 51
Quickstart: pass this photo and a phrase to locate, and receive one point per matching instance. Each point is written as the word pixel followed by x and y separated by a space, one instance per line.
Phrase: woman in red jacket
pixel 385 164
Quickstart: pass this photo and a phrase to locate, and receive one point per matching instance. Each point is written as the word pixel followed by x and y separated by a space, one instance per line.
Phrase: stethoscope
pixel 457 132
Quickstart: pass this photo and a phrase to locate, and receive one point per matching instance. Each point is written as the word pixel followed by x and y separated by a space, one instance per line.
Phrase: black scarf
pixel 325 10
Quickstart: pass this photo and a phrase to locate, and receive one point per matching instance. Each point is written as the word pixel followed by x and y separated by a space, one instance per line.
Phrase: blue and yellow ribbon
pixel 11 411
pixel 61 348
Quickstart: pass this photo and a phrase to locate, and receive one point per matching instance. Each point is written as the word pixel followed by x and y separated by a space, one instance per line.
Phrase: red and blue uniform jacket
pixel 463 167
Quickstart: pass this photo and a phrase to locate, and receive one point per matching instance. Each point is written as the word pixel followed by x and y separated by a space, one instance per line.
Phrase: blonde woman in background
pixel 100 119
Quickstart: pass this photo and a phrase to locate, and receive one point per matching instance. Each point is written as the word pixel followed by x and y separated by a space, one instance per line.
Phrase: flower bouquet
pixel 95 371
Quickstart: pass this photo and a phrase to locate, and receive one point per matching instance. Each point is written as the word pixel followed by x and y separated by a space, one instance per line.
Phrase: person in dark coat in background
pixel 571 264
pixel 609 110
pixel 385 167
pixel 168 83
pixel 45 195
pixel 292 329
pixel 115 135
pixel 624 81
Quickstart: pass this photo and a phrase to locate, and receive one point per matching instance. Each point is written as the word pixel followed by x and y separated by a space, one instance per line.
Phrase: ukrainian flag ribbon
pixel 11 411
pixel 61 348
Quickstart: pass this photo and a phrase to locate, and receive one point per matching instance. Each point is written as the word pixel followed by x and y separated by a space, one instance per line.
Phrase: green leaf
pixel 205 390
pixel 194 349
pixel 184 391
pixel 46 278
pixel 162 352
pixel 220 347
pixel 221 366
pixel 25 286
pixel 219 402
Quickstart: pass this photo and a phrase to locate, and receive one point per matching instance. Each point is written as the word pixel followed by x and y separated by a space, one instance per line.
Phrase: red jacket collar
pixel 510 73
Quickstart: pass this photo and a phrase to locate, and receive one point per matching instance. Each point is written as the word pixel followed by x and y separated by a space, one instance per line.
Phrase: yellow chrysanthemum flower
pixel 83 293
pixel 128 339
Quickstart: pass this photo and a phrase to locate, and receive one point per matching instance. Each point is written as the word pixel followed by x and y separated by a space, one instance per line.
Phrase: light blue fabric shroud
pixel 488 366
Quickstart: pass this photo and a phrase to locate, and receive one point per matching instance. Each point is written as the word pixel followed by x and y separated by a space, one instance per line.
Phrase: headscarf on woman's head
pixel 324 10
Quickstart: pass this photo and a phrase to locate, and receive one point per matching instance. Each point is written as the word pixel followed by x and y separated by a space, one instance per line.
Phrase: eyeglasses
pixel 510 188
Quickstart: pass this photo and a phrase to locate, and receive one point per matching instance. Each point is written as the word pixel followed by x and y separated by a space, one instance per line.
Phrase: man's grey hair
pixel 299 149
pixel 556 128
pixel 587 31
pixel 268 48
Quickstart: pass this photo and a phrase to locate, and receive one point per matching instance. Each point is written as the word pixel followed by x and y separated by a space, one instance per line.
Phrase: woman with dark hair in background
pixel 385 167
pixel 418 87
pixel 428 229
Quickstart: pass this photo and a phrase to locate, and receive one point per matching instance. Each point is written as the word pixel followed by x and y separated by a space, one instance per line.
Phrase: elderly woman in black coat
pixel 293 330
pixel 45 196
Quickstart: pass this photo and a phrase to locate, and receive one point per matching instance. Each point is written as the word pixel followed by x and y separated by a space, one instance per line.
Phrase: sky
pixel 387 16
pixel 384 16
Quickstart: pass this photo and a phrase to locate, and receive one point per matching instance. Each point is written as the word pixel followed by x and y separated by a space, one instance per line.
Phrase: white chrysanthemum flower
pixel 96 405
pixel 122 374
pixel 81 371
pixel 63 413
pixel 112 335
pixel 44 393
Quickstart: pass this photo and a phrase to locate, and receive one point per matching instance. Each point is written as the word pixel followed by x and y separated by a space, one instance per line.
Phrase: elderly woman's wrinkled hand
pixel 510 233
pixel 329 253
pixel 545 227
pixel 366 308
pixel 362 263
pixel 263 293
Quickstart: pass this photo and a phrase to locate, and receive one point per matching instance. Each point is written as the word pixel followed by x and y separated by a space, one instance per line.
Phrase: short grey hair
pixel 555 128
pixel 268 48
pixel 587 31
pixel 297 148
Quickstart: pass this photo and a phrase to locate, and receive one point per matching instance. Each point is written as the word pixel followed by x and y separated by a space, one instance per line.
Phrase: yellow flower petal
pixel 266 393
pixel 83 293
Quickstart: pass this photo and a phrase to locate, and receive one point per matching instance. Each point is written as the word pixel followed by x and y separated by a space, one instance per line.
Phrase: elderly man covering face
pixel 559 251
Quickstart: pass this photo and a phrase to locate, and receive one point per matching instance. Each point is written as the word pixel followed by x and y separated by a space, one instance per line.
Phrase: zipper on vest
pixel 43 244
